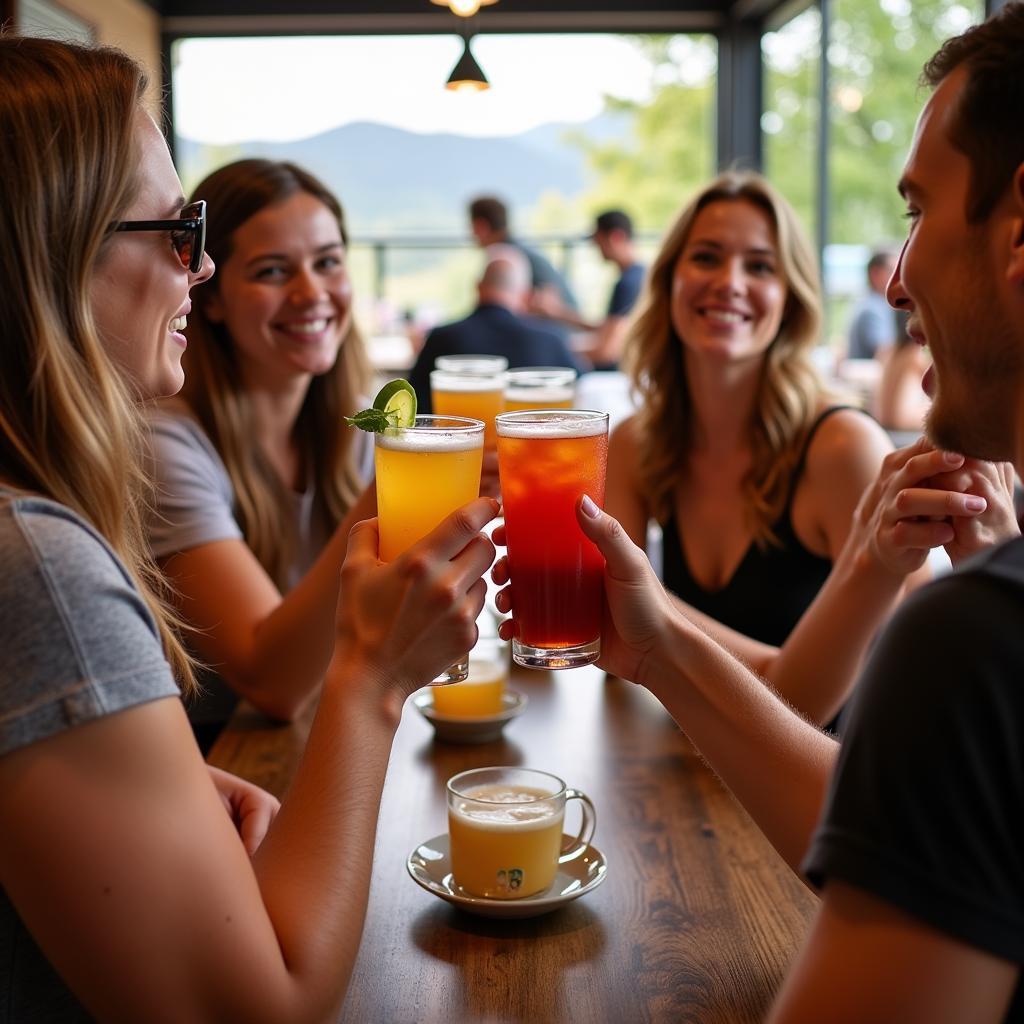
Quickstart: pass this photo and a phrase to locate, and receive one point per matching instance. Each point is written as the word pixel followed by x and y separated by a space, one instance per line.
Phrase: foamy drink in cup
pixel 505 830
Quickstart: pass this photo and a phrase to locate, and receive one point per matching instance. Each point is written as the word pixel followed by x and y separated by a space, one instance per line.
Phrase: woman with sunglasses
pixel 136 883
pixel 258 478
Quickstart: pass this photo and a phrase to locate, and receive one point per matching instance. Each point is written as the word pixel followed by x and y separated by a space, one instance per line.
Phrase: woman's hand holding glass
pixel 404 621
pixel 993 482
pixel 637 611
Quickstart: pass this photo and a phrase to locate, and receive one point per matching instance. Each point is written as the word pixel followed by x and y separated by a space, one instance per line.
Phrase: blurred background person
pixel 873 321
pixel 603 341
pixel 901 402
pixel 258 479
pixel 489 223
pixel 496 327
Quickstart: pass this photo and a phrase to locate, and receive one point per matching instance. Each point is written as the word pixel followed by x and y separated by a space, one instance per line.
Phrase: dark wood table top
pixel 696 920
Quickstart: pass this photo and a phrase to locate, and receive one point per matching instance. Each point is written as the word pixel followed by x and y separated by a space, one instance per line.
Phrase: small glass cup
pixel 540 387
pixel 471 364
pixel 424 473
pixel 480 396
pixel 505 830
pixel 547 460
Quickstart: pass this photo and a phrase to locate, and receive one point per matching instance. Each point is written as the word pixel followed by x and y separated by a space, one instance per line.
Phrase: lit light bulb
pixel 464 8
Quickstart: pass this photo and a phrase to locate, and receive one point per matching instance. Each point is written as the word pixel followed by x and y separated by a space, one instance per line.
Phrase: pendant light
pixel 467 75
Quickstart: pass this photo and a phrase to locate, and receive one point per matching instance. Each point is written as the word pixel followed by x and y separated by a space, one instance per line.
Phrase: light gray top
pixel 77 642
pixel 195 501
pixel 195 505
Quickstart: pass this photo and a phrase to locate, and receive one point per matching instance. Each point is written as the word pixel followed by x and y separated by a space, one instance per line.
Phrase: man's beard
pixel 978 391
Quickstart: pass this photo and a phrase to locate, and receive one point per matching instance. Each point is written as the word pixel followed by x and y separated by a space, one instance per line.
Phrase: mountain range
pixel 396 181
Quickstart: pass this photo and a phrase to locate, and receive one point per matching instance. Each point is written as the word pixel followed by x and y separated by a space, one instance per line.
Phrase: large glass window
pixel 875 54
pixel 572 124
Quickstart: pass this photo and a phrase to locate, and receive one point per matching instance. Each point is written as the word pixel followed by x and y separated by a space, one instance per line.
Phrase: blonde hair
pixel 789 390
pixel 70 426
pixel 216 394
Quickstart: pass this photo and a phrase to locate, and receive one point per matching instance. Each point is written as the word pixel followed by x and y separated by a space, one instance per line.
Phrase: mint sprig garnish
pixel 374 421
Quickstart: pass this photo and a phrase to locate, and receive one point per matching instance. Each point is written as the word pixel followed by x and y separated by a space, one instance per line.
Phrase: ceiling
pixel 217 17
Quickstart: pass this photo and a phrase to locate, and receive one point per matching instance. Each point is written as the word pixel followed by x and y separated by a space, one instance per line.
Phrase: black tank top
pixel 771 588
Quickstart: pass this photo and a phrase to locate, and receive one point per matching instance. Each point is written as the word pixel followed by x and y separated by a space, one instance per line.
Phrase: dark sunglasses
pixel 188 233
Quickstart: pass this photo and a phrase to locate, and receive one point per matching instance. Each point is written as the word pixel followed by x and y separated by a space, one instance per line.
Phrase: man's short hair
pixel 613 220
pixel 491 210
pixel 988 123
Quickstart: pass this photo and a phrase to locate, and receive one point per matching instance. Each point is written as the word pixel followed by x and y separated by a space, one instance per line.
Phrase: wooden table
pixel 696 920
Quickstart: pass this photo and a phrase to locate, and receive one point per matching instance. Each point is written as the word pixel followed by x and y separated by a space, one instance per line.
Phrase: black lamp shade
pixel 467 74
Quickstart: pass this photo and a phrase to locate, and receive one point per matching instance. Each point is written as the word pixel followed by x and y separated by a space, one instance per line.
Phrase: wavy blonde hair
pixel 216 394
pixel 70 425
pixel 789 390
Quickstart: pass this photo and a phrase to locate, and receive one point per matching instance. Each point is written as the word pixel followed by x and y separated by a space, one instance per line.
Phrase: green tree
pixel 876 51
pixel 670 144
pixel 875 54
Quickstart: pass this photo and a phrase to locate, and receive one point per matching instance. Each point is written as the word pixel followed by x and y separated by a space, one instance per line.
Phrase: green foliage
pixel 670 149
pixel 876 52
pixel 875 57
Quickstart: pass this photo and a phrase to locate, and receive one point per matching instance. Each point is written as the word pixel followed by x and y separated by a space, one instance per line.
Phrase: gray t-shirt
pixel 195 501
pixel 195 504
pixel 77 642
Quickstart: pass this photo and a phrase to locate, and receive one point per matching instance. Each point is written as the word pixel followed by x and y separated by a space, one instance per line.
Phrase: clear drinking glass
pixel 471 364
pixel 540 387
pixel 480 396
pixel 424 473
pixel 547 459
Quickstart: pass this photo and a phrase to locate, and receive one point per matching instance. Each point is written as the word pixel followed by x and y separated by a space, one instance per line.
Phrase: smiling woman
pixel 136 883
pixel 736 452
pixel 258 480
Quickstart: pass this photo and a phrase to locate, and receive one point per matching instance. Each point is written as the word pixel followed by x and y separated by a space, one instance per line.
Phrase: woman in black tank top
pixel 735 451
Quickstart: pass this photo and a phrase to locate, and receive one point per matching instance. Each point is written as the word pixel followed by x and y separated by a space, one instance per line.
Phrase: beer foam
pixel 508 807
pixel 430 439
pixel 554 424
pixel 453 381
pixel 541 393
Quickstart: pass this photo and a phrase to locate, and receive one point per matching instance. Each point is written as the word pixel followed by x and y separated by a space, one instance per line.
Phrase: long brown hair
pixel 70 425
pixel 216 394
pixel 789 390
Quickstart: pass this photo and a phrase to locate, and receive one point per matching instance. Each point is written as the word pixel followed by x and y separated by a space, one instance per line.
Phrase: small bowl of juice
pixel 473 711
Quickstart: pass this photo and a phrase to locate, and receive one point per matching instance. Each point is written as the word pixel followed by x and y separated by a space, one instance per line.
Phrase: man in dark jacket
pixel 495 327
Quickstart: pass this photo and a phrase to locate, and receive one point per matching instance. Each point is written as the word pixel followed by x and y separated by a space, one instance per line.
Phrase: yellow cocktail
pixel 480 695
pixel 540 387
pixel 424 473
pixel 476 395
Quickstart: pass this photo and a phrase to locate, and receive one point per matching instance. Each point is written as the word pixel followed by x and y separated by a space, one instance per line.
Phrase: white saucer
pixel 430 867
pixel 469 730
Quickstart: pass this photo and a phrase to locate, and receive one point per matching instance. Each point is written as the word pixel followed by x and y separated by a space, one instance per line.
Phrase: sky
pixel 281 89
